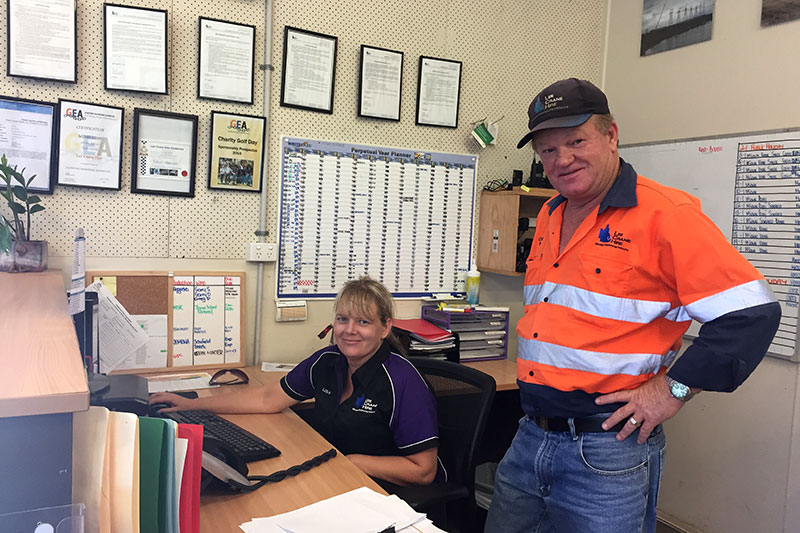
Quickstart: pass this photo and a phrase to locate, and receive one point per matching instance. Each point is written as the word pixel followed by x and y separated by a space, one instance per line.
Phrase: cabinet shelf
pixel 498 234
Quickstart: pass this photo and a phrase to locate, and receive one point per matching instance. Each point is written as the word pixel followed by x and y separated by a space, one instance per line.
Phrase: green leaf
pixel 29 181
pixel 3 160
pixel 5 238
pixel 34 199
pixel 36 208
pixel 17 208
pixel 18 177
pixel 20 193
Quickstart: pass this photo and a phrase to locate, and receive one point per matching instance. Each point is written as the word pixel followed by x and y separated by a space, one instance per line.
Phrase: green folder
pixel 153 472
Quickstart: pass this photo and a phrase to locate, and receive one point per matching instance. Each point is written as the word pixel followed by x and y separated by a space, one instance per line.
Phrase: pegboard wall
pixel 509 50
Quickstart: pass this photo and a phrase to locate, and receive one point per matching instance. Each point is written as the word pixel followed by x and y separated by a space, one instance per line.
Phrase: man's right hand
pixel 178 403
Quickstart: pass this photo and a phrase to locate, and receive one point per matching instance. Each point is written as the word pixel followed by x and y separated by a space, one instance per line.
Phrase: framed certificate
pixel 380 83
pixel 27 136
pixel 164 153
pixel 309 70
pixel 89 145
pixel 438 90
pixel 42 40
pixel 135 48
pixel 237 149
pixel 226 61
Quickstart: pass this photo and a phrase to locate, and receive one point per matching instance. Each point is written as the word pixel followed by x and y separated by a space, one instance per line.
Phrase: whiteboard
pixel 404 217
pixel 749 185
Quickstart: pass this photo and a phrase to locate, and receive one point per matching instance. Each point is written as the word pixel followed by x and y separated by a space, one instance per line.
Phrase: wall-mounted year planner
pixel 404 217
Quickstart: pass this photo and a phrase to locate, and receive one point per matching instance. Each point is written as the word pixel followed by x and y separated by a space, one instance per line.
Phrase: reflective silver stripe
pixel 632 364
pixel 742 296
pixel 602 305
pixel 669 357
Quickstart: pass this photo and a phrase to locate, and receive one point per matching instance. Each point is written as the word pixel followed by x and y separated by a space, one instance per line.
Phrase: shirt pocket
pixel 605 275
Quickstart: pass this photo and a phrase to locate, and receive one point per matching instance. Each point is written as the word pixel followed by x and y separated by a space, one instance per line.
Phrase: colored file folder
pixel 90 474
pixel 153 474
pixel 123 459
pixel 190 481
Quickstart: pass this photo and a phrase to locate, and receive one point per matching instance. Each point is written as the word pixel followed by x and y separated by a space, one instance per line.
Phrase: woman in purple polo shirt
pixel 370 402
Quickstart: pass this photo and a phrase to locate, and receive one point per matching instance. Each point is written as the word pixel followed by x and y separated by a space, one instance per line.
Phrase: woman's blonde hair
pixel 366 297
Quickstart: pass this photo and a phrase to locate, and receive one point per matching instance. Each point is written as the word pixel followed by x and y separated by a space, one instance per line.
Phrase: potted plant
pixel 18 253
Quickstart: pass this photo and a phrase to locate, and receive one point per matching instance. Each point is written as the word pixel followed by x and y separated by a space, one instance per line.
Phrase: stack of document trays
pixel 358 511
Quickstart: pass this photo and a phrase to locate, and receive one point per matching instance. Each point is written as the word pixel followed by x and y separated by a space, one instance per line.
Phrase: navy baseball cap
pixel 564 104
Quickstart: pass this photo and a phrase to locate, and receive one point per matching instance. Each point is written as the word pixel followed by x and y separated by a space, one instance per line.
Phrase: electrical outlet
pixel 262 252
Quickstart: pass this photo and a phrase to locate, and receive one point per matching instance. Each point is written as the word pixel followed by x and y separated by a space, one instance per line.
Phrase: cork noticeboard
pixel 193 319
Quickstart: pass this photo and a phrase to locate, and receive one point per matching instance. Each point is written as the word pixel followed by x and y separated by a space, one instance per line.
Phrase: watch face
pixel 679 390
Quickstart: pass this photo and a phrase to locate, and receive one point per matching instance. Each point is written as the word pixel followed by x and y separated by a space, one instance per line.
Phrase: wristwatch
pixel 679 390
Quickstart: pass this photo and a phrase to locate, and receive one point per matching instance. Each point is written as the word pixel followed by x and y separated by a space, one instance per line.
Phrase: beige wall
pixel 507 52
pixel 732 463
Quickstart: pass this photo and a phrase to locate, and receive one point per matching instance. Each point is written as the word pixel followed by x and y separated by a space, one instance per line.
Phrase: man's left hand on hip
pixel 645 407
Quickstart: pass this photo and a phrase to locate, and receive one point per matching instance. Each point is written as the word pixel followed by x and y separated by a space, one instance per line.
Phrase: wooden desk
pixel 220 513
pixel 42 367
pixel 504 372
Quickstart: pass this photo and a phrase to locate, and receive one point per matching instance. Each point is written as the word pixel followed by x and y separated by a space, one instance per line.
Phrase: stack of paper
pixel 358 511
pixel 425 338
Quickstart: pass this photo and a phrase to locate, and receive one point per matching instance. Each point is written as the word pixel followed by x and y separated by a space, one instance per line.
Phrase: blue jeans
pixel 552 481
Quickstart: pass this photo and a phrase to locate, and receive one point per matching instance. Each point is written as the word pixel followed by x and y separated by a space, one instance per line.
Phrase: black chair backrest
pixel 463 396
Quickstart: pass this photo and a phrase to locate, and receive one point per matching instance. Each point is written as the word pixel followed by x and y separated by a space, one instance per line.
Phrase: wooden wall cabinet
pixel 498 234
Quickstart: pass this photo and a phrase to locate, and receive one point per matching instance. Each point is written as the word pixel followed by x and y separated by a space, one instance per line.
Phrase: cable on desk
pixel 289 472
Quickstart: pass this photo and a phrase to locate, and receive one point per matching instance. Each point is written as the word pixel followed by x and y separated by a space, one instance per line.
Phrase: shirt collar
pixel 366 371
pixel 621 194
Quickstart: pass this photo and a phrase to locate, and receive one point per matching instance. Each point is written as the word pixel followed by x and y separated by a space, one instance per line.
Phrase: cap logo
pixel 552 100
pixel 538 107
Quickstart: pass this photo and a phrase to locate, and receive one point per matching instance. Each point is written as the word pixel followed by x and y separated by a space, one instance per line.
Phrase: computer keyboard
pixel 245 444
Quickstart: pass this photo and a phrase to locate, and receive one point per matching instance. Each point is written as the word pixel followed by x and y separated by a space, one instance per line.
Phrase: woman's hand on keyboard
pixel 177 403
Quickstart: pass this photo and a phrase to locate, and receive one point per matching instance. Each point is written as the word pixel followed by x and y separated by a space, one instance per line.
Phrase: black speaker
pixel 516 181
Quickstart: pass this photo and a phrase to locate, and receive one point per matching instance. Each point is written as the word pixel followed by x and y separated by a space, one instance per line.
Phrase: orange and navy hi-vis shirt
pixel 609 312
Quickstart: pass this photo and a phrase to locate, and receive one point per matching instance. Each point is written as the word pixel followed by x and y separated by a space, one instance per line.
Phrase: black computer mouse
pixel 154 409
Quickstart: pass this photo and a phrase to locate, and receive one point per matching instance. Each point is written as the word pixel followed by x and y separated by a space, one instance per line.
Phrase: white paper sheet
pixel 153 354
pixel 361 510
pixel 120 335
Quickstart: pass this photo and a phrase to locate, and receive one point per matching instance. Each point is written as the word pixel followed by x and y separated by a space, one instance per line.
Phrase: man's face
pixel 580 162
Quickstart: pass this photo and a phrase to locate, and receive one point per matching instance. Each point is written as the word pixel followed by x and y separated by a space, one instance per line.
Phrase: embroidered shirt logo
pixel 605 234
pixel 616 239
pixel 326 390
pixel 364 405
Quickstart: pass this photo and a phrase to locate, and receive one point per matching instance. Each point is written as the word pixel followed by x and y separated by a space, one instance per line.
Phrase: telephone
pixel 224 470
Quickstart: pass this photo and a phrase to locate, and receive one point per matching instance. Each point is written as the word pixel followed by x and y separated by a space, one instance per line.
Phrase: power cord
pixel 496 185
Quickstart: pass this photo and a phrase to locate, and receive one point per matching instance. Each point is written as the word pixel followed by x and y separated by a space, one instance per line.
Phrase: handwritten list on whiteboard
pixel 206 323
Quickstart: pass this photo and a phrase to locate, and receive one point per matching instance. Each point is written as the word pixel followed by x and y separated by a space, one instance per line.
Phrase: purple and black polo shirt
pixel 391 411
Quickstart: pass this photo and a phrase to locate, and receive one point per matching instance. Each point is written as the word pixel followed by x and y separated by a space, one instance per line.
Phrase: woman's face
pixel 357 336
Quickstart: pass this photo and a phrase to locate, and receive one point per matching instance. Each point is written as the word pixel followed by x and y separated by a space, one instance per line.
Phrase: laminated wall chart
pixel 749 185
pixel 404 217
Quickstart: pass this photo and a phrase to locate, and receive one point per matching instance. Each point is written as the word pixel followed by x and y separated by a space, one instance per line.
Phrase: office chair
pixel 463 396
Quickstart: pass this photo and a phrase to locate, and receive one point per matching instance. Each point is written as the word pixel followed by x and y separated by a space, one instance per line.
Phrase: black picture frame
pixel 419 121
pixel 288 33
pixel 365 49
pixel 39 185
pixel 251 62
pixel 144 163
pixel 215 154
pixel 61 143
pixel 163 68
pixel 10 36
